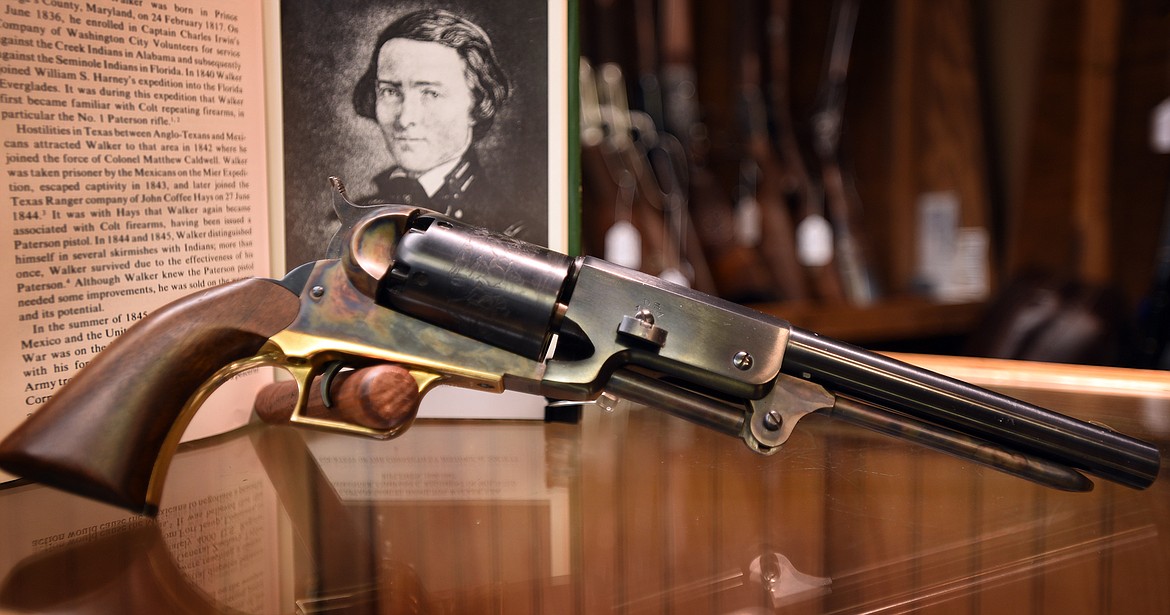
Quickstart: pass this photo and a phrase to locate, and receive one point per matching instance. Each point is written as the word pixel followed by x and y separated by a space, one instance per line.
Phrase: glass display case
pixel 628 511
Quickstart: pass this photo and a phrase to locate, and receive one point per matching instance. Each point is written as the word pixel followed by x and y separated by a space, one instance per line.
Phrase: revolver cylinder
pixel 486 286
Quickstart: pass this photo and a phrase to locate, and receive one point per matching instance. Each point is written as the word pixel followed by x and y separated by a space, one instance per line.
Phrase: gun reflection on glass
pixel 459 305
pixel 129 571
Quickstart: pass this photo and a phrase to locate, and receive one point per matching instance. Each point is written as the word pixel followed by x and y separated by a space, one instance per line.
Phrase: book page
pixel 134 156
pixel 216 544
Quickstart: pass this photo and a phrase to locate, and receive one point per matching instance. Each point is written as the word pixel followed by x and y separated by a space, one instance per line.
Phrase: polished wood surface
pixel 629 511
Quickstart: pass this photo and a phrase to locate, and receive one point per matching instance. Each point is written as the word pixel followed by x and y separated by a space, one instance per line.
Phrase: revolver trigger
pixel 327 376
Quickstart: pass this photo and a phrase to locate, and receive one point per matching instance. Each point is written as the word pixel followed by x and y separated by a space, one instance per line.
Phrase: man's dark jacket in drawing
pixel 466 194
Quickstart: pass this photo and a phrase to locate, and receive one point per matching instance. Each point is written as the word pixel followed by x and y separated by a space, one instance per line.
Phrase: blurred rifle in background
pixel 841 199
pixel 763 214
pixel 814 234
pixel 635 198
pixel 656 203
pixel 739 270
pixel 627 219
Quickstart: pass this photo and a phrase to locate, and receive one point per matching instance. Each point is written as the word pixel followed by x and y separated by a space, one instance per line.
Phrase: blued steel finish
pixel 998 419
pixel 514 296
pixel 972 449
pixel 712 414
pixel 477 283
pixel 701 335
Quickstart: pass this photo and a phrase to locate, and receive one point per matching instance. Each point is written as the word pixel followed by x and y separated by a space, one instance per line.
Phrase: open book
pixel 153 148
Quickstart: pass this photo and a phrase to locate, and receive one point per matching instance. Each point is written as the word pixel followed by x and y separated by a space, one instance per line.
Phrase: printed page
pixel 134 156
pixel 215 546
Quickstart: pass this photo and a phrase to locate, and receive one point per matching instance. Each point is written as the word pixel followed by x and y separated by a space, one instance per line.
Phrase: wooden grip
pixel 103 434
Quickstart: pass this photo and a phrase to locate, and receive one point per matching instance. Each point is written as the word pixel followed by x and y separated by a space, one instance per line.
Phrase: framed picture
pixel 462 107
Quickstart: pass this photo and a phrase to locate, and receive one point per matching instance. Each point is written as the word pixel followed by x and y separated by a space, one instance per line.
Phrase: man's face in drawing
pixel 423 103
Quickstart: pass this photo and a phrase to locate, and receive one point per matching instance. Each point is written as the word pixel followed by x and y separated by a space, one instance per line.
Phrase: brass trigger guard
pixel 303 373
pixel 266 357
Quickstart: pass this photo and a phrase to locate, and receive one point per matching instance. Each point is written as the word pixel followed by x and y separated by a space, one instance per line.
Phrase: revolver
pixel 452 304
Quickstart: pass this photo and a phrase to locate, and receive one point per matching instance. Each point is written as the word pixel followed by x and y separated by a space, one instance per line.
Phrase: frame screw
pixel 772 420
pixel 742 360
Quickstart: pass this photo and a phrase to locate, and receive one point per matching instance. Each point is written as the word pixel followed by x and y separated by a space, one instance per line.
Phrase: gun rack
pixel 1018 132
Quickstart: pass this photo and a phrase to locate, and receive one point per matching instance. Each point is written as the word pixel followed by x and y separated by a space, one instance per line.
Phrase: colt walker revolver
pixel 457 305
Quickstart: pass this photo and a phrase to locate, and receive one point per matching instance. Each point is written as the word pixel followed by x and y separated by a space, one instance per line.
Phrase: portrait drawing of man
pixel 441 114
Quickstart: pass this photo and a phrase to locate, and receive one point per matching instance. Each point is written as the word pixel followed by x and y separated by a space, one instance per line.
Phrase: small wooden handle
pixel 379 397
pixel 104 433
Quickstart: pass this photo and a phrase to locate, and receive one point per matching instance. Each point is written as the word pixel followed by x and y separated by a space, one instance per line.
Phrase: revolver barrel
pixel 996 418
